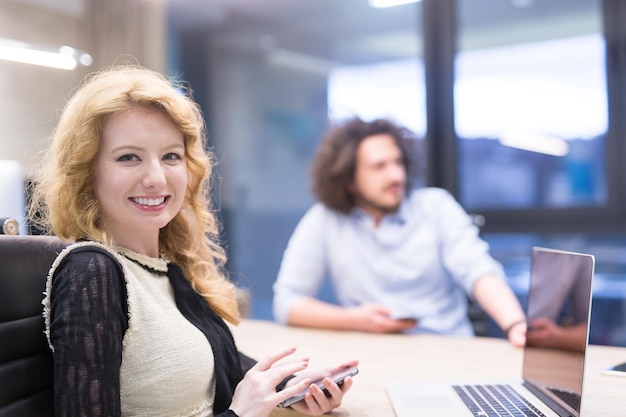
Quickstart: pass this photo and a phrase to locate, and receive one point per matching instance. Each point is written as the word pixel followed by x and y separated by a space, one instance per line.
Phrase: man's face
pixel 380 178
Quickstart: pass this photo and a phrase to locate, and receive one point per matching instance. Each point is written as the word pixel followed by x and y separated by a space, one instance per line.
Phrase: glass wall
pixel 532 140
pixel 510 95
pixel 531 106
pixel 390 89
pixel 270 76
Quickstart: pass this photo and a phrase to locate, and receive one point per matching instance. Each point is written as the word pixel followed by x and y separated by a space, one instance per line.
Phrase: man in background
pixel 399 259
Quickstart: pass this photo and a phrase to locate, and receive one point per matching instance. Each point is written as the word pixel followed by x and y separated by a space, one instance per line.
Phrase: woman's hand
pixel 256 396
pixel 317 402
pixel 319 373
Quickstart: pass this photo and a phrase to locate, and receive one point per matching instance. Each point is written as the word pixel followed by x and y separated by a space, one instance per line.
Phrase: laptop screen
pixel 559 295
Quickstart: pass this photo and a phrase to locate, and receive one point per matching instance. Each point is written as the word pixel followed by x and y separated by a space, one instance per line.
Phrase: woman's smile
pixel 149 201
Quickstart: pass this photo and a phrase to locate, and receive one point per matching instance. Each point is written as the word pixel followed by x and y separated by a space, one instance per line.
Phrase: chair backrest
pixel 25 359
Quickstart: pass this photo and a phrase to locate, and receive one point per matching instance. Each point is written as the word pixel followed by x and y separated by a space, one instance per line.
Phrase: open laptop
pixel 552 379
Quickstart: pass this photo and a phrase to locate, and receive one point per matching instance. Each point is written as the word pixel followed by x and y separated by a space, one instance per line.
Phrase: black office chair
pixel 25 359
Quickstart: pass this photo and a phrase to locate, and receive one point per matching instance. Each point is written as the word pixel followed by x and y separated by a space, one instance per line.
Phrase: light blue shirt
pixel 420 261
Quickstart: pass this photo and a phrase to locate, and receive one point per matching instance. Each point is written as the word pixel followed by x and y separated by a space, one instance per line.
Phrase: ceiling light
pixel 535 142
pixel 522 4
pixel 390 3
pixel 64 58
pixel 300 61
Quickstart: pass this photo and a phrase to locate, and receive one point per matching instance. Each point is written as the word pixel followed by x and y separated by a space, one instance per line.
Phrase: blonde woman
pixel 135 307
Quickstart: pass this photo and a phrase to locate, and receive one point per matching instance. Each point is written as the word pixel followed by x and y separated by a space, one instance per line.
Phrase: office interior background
pixel 520 106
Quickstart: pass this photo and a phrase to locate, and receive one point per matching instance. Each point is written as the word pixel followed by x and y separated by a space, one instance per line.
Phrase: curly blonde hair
pixel 64 202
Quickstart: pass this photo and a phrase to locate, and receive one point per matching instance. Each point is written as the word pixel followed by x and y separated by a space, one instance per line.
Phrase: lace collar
pixel 159 264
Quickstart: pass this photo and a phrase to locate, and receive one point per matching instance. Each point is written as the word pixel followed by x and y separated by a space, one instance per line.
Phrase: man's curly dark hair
pixel 334 164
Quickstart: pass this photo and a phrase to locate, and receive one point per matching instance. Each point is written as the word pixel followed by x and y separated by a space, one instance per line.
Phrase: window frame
pixel 440 29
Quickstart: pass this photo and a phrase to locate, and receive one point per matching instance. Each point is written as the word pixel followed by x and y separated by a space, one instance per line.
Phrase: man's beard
pixel 369 203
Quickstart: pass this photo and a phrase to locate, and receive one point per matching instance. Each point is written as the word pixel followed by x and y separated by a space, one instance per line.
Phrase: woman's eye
pixel 128 157
pixel 172 156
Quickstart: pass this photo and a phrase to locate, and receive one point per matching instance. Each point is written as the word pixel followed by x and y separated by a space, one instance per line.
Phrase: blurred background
pixel 520 105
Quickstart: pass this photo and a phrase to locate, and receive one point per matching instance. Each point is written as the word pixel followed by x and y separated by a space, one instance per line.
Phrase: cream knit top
pixel 167 363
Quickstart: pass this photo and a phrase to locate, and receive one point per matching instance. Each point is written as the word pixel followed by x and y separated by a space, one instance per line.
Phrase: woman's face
pixel 140 176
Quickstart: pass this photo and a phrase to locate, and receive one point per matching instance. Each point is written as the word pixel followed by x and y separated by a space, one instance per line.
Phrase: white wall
pixel 11 195
pixel 31 96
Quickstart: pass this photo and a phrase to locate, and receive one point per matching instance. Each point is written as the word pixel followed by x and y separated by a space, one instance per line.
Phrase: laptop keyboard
pixel 496 401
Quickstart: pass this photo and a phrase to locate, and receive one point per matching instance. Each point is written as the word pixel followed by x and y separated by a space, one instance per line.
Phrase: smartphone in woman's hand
pixel 337 377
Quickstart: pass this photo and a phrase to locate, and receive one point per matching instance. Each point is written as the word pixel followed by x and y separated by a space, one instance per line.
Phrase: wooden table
pixel 421 357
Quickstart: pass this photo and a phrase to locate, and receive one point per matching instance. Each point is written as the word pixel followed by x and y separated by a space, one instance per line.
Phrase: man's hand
pixel 517 334
pixel 374 318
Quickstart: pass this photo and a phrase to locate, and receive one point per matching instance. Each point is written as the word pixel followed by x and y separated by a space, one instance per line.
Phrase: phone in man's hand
pixel 404 317
pixel 337 377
